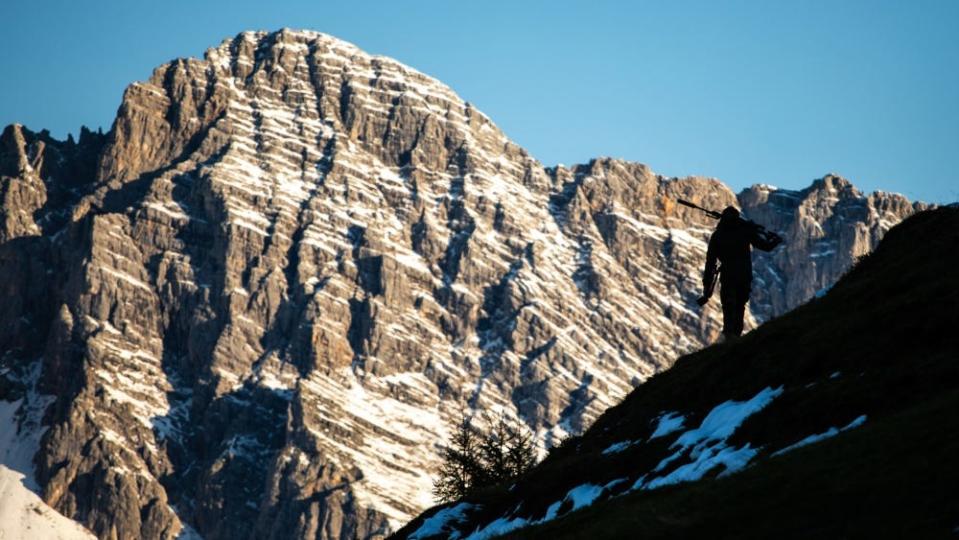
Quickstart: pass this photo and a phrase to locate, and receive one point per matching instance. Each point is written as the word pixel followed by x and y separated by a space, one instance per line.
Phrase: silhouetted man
pixel 729 244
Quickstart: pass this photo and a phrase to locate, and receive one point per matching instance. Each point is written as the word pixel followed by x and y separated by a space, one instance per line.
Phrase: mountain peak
pixel 295 265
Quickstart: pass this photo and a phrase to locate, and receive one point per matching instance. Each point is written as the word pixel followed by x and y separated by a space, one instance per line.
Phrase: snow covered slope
pixel 23 514
pixel 264 296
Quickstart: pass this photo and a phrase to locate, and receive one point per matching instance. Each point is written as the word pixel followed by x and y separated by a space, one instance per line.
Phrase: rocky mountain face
pixel 262 299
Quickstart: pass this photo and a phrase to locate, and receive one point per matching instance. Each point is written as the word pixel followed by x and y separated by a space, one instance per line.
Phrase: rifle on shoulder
pixel 716 215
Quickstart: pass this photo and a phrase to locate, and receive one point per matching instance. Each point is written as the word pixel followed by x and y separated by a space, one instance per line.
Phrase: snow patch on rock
pixel 706 445
pixel 439 522
pixel 668 423
pixel 831 432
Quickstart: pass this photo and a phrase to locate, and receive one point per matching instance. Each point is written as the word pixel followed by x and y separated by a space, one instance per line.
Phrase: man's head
pixel 729 215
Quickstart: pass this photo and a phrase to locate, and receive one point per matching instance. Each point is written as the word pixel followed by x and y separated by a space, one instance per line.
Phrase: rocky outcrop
pixel 264 296
pixel 827 227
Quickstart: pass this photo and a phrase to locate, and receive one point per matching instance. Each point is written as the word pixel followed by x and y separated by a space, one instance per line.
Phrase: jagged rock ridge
pixel 265 294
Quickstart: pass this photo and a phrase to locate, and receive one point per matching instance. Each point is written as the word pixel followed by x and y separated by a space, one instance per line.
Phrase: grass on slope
pixel 893 478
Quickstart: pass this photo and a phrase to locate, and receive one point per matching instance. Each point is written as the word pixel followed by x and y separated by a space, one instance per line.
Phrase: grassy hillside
pixel 882 344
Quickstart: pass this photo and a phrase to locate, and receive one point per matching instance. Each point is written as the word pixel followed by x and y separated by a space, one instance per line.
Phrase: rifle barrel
pixel 710 213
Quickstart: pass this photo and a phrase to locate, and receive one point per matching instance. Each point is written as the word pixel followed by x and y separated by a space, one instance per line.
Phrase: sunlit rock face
pixel 264 297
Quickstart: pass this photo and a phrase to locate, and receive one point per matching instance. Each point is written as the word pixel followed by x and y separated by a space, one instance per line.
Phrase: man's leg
pixel 734 309
pixel 740 307
pixel 729 313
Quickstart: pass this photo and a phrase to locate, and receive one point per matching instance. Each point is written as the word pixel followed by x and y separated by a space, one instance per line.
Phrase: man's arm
pixel 709 273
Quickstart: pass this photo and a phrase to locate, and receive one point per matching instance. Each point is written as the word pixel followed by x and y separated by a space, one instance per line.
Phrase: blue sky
pixel 748 92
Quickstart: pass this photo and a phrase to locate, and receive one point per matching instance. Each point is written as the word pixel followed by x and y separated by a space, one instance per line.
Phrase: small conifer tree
pixel 472 461
pixel 461 464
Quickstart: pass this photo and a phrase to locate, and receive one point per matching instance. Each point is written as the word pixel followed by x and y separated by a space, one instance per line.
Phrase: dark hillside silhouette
pixel 881 345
